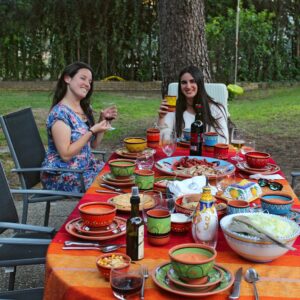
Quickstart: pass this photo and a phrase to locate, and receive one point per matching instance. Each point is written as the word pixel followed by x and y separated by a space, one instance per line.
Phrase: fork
pixel 145 275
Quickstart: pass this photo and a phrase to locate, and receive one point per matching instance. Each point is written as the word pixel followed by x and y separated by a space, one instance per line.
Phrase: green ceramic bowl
pixel 191 262
pixel 144 179
pixel 121 168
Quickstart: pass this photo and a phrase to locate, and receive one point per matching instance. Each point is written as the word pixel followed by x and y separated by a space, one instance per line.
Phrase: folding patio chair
pixel 27 294
pixel 27 245
pixel 295 175
pixel 28 152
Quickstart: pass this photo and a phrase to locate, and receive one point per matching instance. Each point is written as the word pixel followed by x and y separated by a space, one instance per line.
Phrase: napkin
pixel 192 185
pixel 270 177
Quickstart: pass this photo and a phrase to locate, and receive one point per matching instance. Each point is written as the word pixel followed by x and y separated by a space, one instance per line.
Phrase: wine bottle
pixel 135 228
pixel 197 130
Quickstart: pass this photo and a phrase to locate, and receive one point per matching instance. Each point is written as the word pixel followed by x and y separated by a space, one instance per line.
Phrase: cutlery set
pixel 70 245
pixel 251 276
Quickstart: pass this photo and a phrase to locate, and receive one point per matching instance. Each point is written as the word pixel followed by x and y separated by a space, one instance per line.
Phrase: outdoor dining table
pixel 72 274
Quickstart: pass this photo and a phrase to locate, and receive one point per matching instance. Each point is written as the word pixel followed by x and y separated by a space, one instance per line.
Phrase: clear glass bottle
pixel 197 130
pixel 135 228
pixel 205 220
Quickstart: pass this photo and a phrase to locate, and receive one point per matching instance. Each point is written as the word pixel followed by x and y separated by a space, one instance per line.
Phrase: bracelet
pixel 93 133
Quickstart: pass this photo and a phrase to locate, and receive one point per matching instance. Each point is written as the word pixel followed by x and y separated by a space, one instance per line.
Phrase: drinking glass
pixel 145 160
pixel 109 117
pixel 223 182
pixel 238 141
pixel 126 282
pixel 168 142
pixel 248 147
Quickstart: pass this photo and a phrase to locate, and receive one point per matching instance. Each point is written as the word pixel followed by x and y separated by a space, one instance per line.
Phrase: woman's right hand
pixel 163 109
pixel 102 126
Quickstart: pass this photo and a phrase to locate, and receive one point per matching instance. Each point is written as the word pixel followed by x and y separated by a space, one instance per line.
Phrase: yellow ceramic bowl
pixel 171 100
pixel 135 144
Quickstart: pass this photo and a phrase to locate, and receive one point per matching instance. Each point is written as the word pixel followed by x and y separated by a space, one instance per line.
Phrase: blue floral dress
pixel 68 181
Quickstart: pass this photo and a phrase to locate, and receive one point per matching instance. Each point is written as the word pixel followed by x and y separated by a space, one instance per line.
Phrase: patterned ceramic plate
pixel 121 230
pixel 166 166
pixel 123 152
pixel 271 169
pixel 161 279
pixel 80 227
pixel 104 179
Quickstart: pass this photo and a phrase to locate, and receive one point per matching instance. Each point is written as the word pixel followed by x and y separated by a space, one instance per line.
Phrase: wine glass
pixel 126 282
pixel 248 147
pixel 238 141
pixel 109 116
pixel 168 142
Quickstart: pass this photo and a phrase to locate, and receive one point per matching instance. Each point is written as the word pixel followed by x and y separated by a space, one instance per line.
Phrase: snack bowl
pixel 135 144
pixel 97 214
pixel 256 159
pixel 121 167
pixel 254 248
pixel 276 203
pixel 108 261
pixel 180 222
pixel 192 262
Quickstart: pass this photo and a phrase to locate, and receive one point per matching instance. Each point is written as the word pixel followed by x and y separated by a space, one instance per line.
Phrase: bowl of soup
pixel 192 262
pixel 256 159
pixel 135 144
pixel 97 214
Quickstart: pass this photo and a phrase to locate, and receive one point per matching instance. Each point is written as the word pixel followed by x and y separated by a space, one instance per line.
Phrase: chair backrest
pixel 24 143
pixel 8 212
pixel 218 91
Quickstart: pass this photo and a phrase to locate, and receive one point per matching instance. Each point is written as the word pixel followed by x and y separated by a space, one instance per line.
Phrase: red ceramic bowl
pixel 158 240
pixel 108 261
pixel 97 214
pixel 256 159
pixel 180 223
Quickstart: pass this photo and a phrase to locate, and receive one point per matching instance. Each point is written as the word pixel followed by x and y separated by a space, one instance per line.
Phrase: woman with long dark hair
pixel 191 91
pixel 72 130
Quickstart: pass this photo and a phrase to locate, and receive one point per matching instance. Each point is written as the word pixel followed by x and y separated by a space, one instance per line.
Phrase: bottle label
pixel 141 242
pixel 195 138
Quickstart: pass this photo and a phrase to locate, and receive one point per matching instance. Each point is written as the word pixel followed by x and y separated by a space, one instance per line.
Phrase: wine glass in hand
pixel 126 282
pixel 110 114
pixel 168 142
pixel 238 141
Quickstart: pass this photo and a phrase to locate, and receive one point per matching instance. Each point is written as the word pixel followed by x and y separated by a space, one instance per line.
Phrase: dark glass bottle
pixel 135 228
pixel 197 130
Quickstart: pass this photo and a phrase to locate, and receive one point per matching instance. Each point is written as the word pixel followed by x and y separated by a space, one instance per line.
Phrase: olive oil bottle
pixel 135 228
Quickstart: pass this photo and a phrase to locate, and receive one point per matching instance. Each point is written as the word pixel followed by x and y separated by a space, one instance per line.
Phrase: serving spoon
pixel 251 276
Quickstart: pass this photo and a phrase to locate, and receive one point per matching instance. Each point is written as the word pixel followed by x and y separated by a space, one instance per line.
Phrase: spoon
pixel 104 249
pixel 251 276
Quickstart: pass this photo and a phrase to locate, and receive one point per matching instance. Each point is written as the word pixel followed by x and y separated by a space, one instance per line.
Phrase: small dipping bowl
pixel 256 159
pixel 97 214
pixel 192 262
pixel 121 168
pixel 135 144
pixel 277 204
pixel 180 223
pixel 108 261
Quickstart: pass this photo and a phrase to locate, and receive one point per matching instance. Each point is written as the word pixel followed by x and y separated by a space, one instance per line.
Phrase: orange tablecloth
pixel 72 274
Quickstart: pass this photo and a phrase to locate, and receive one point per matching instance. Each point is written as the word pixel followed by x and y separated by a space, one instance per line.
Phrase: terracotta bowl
pixel 122 168
pixel 192 262
pixel 180 223
pixel 277 204
pixel 97 214
pixel 108 261
pixel 158 240
pixel 253 248
pixel 135 144
pixel 256 159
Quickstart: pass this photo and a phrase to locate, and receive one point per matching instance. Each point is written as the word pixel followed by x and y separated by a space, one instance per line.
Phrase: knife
pixel 237 284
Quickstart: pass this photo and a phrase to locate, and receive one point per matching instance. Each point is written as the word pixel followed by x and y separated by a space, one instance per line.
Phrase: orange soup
pixel 191 257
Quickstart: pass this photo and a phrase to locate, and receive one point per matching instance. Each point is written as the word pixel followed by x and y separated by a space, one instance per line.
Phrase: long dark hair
pixel 201 98
pixel 61 88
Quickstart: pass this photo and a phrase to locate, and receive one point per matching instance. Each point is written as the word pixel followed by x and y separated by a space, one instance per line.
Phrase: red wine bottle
pixel 197 130
pixel 135 228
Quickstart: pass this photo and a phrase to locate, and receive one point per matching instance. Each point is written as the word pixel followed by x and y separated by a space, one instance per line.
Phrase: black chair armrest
pixel 47 192
pixel 27 227
pixel 24 241
pixel 100 152
pixel 24 170
pixel 294 175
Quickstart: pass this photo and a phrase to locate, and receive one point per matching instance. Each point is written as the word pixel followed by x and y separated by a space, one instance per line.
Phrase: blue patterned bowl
pixel 277 204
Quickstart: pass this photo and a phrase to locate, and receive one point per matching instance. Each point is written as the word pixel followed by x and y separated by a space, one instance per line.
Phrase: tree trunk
pixel 182 38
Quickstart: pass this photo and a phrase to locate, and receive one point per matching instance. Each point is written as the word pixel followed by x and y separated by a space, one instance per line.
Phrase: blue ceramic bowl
pixel 277 204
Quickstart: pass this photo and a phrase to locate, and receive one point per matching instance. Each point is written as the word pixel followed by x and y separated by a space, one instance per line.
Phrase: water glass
pixel 238 141
pixel 145 161
pixel 248 147
pixel 126 282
